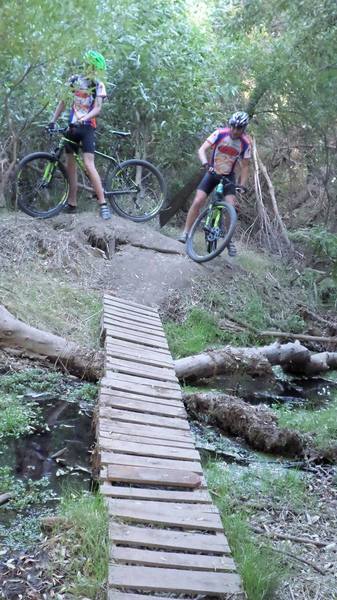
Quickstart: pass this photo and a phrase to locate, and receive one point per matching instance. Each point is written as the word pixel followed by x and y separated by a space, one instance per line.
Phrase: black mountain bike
pixel 135 188
pixel 212 231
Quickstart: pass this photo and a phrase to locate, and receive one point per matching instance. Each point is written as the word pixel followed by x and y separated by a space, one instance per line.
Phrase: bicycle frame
pixel 47 176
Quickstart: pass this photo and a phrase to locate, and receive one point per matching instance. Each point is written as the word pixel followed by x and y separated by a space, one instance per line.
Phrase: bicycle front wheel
pixel 211 232
pixel 42 185
pixel 136 190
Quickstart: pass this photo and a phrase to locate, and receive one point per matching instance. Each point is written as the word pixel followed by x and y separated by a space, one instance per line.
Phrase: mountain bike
pixel 212 231
pixel 135 188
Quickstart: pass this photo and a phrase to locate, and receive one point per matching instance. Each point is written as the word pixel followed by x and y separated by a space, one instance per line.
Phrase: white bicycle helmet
pixel 239 119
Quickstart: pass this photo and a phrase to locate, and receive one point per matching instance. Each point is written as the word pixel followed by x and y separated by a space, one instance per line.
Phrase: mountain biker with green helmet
pixel 88 93
pixel 229 146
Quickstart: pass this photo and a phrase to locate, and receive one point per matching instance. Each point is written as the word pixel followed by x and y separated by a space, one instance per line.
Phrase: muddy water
pixel 57 457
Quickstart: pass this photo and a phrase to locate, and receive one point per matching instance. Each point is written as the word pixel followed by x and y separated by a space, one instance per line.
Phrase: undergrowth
pixel 321 424
pixel 82 548
pixel 48 303
pixel 234 489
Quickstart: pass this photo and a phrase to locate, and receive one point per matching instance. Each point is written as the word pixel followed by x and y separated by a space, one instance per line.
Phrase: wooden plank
pixel 130 335
pixel 172 560
pixel 114 594
pixel 139 326
pixel 155 408
pixel 133 317
pixel 140 475
pixel 173 580
pixel 129 304
pixel 148 431
pixel 124 385
pixel 148 449
pixel 120 395
pixel 156 513
pixel 139 439
pixel 134 379
pixel 190 496
pixel 130 416
pixel 129 366
pixel 149 537
pixel 134 345
pixel 133 460
pixel 145 357
pixel 177 508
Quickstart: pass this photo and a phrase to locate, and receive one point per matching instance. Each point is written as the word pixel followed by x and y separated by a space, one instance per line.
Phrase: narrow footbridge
pixel 166 536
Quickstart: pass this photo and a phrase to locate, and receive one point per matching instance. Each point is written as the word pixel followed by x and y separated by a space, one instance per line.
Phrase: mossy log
pixel 256 424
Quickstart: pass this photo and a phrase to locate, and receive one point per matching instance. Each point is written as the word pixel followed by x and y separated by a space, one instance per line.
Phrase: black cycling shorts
pixel 81 136
pixel 211 180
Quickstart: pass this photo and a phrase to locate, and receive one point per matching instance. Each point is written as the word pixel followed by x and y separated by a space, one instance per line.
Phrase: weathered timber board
pixel 173 580
pixel 141 370
pixel 162 433
pixel 139 439
pixel 133 345
pixel 145 407
pixel 129 334
pixel 117 383
pixel 144 356
pixel 114 594
pixel 153 476
pixel 172 560
pixel 131 317
pixel 137 326
pixel 133 460
pixel 120 395
pixel 186 518
pixel 180 508
pixel 191 496
pixel 165 539
pixel 129 304
pixel 130 416
pixel 134 379
pixel 148 450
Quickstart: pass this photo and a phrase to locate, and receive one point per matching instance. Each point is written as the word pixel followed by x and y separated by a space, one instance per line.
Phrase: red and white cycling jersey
pixel 85 91
pixel 227 151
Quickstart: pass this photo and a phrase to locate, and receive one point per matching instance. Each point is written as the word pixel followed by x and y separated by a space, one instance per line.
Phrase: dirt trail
pixel 134 260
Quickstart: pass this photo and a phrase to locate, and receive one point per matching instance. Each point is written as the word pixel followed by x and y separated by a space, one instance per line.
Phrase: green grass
pixel 322 424
pixel 233 490
pixel 85 545
pixel 48 303
pixel 18 418
pixel 197 332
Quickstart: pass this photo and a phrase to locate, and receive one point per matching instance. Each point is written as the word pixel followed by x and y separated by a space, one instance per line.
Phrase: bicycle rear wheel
pixel 136 190
pixel 42 185
pixel 206 239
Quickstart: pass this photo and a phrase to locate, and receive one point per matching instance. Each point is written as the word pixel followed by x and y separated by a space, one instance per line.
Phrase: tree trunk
pixel 180 198
pixel 293 357
pixel 66 355
pixel 256 424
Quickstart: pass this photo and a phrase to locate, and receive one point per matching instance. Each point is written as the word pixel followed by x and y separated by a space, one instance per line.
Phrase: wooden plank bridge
pixel 166 536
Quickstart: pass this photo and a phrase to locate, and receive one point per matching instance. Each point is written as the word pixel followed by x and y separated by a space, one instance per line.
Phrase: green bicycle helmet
pixel 95 59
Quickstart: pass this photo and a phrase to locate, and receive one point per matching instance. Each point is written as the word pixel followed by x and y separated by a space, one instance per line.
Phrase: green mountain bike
pixel 135 188
pixel 212 231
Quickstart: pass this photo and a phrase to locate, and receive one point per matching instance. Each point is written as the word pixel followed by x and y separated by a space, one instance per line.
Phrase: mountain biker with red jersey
pixel 229 145
pixel 88 93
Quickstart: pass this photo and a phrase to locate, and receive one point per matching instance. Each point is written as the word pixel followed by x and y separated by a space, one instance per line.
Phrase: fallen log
pixel 256 424
pixel 292 357
pixel 66 355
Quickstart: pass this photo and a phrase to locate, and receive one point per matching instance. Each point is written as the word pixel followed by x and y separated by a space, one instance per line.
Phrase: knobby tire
pixel 197 238
pixel 31 189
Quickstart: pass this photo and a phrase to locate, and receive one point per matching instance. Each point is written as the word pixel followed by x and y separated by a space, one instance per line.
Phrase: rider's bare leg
pixel 198 203
pixel 72 174
pixel 89 163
